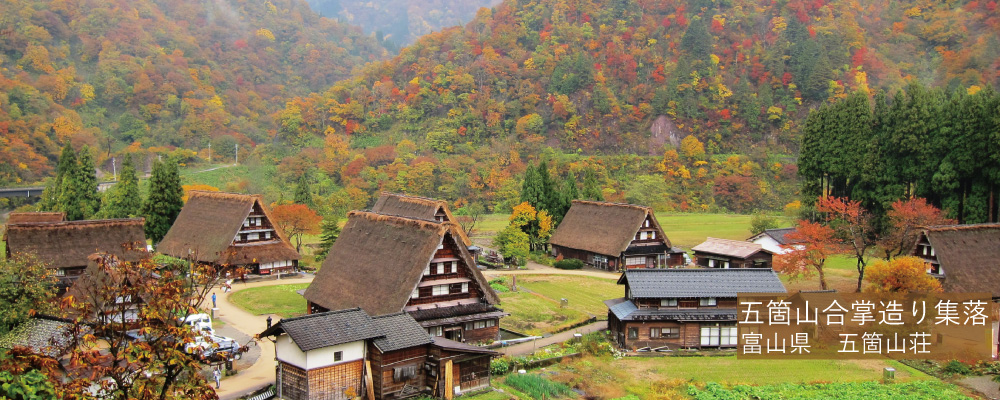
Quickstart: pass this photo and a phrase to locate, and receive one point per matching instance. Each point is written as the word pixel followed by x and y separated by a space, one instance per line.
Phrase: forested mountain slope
pixel 401 22
pixel 595 75
pixel 156 72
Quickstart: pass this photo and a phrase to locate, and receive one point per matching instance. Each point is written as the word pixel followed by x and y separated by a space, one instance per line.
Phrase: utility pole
pixel 114 167
pixel 209 152
pixel 237 154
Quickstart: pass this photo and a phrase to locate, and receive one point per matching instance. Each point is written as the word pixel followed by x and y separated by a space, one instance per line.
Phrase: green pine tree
pixel 567 195
pixel 123 200
pixel 78 196
pixel 329 232
pixel 302 194
pixel 164 201
pixel 67 164
pixel 531 188
pixel 550 197
pixel 591 187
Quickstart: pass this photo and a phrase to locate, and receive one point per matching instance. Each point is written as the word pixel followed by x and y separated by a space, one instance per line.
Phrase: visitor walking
pixel 213 300
pixel 218 377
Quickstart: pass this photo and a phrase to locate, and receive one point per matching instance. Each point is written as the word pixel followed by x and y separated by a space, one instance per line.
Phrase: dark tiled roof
pixel 777 234
pixel 627 311
pixel 602 227
pixel 968 254
pixel 445 312
pixel 401 332
pixel 700 282
pixel 726 247
pixel 327 329
pixel 43 335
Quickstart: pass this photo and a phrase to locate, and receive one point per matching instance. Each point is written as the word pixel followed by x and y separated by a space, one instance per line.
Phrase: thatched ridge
pixel 208 224
pixel 35 217
pixel 415 207
pixel 69 244
pixel 969 255
pixel 378 260
pixel 603 227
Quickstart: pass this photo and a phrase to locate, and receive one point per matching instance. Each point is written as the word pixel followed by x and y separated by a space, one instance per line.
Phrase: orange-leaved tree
pixel 296 220
pixel 901 275
pixel 852 225
pixel 814 243
pixel 906 217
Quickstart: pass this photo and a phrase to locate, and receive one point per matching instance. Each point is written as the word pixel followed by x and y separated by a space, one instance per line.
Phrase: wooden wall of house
pixel 294 382
pixel 720 302
pixel 383 369
pixel 688 336
pixel 734 262
pixel 331 383
pixel 482 334
pixel 426 293
pixel 583 255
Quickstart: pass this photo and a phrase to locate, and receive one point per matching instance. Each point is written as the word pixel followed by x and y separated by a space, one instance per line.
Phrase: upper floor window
pixel 454 267
pixel 708 302
pixel 668 302
pixel 440 290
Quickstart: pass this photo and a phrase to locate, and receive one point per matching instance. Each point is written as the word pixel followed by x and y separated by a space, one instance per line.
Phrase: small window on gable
pixel 465 287
pixel 427 271
pixel 454 267
pixel 652 235
pixel 925 250
pixel 415 294
pixel 338 356
pixel 642 236
pixel 440 290
pixel 440 268
pixel 932 252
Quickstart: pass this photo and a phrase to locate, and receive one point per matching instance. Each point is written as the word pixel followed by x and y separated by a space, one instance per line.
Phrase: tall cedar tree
pixel 550 197
pixel 532 191
pixel 591 187
pixel 123 200
pixel 79 198
pixel 329 232
pixel 51 194
pixel 302 194
pixel 568 193
pixel 164 201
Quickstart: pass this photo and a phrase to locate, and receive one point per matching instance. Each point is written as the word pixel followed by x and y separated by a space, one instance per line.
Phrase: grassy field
pixel 534 314
pixel 585 294
pixel 280 299
pixel 535 309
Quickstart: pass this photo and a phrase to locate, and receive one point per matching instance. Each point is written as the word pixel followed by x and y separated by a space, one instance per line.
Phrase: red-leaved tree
pixel 852 225
pixel 814 243
pixel 296 220
pixel 906 217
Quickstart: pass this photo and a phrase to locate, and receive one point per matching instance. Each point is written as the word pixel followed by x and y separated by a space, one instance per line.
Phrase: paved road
pixel 530 347
pixel 261 373
pixel 539 269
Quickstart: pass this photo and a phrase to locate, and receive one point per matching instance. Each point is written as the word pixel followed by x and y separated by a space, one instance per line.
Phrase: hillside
pixel 401 22
pixel 146 73
pixel 631 75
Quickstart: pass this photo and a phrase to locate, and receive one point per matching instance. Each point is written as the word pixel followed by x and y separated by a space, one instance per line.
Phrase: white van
pixel 201 323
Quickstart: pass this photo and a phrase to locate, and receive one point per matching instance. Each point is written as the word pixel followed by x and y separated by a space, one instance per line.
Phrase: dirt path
pixel 530 347
pixel 261 373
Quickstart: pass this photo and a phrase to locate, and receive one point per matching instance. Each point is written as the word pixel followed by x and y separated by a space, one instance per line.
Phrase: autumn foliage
pixel 901 275
pixel 296 220
pixel 906 217
pixel 814 244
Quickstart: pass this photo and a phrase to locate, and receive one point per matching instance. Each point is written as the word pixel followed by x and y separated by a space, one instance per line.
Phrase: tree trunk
pixel 861 274
pixel 822 278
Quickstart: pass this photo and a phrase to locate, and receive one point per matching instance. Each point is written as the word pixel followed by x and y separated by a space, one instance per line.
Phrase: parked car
pixel 214 347
pixel 200 323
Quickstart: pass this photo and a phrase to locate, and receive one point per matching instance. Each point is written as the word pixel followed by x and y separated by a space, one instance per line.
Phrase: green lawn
pixel 280 299
pixel 688 229
pixel 490 224
pixel 534 314
pixel 585 294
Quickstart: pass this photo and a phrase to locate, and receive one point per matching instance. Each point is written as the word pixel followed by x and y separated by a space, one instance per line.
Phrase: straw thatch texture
pixel 726 247
pixel 414 207
pixel 378 260
pixel 969 255
pixel 208 224
pixel 601 227
pixel 68 244
pixel 35 217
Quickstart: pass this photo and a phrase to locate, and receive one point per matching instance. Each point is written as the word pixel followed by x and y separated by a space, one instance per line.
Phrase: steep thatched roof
pixel 68 244
pixel 208 224
pixel 35 217
pixel 414 207
pixel 732 248
pixel 601 227
pixel 377 261
pixel 969 255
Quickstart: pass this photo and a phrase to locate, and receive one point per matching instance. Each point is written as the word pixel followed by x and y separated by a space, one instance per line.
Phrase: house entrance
pixel 453 333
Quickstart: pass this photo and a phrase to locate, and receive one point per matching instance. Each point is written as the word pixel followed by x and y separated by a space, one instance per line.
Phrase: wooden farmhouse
pixel 68 246
pixel 347 354
pixel 614 236
pixel 388 264
pixel 963 257
pixel 414 207
pixel 725 253
pixel 683 308
pixel 229 229
pixel 775 240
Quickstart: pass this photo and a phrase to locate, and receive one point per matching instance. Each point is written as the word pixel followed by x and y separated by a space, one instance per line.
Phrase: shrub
pixel 500 365
pixel 537 387
pixel 955 367
pixel 569 263
pixel 499 285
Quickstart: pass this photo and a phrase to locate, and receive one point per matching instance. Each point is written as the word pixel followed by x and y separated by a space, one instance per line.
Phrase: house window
pixel 440 290
pixel 635 260
pixel 711 263
pixel 427 271
pixel 664 333
pixel 652 235
pixel 718 334
pixel 415 294
pixel 435 331
pixel 633 333
pixel 932 252
pixel 253 236
pixel 601 262
pixel 646 224
pixel 454 267
pixel 478 325
pixel 338 356
pixel 440 268
pixel 725 265
pixel 668 302
pixel 708 302
pixel 465 287
pixel 60 272
pixel 642 236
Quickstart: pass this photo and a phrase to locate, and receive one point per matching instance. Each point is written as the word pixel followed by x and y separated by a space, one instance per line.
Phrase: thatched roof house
pixel 229 229
pixel 613 236
pixel 35 217
pixel 726 253
pixel 67 246
pixel 387 264
pixel 965 257
pixel 415 207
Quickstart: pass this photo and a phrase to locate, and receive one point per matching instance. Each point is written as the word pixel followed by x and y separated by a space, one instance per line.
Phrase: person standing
pixel 218 377
pixel 213 300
